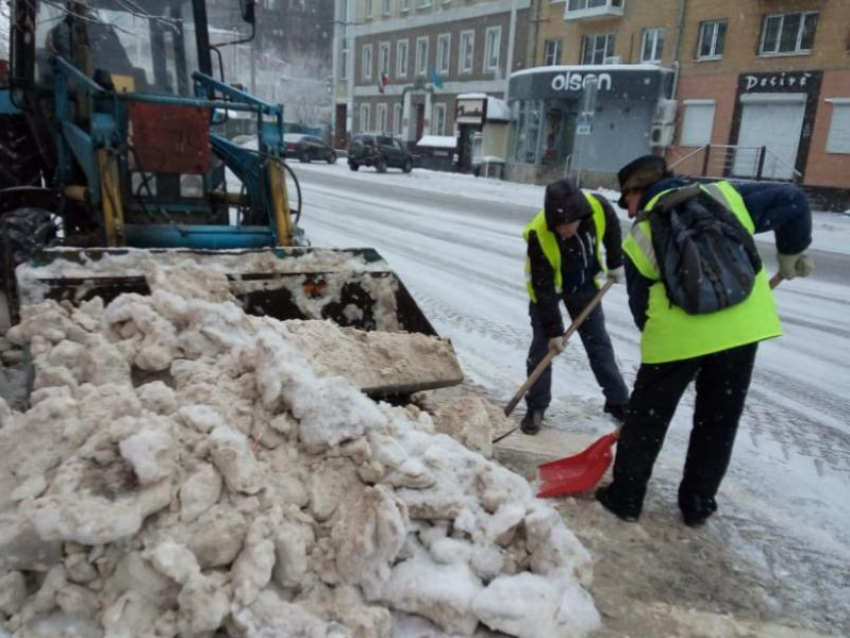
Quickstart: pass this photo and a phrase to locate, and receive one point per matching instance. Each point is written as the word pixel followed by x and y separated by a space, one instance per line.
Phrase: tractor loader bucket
pixel 353 288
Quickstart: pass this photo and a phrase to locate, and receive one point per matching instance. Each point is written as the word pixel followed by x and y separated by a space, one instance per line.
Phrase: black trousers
pixel 722 381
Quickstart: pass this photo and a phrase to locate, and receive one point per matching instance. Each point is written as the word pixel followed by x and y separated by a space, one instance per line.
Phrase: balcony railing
pixel 593 9
pixel 719 161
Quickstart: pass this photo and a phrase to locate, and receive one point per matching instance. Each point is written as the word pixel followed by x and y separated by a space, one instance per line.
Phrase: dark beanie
pixel 640 174
pixel 565 203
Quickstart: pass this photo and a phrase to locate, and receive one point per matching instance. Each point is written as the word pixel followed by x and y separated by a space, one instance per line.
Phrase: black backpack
pixel 706 258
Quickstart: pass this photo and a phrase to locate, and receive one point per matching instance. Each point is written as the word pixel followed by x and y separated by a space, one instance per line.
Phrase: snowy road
pixel 456 243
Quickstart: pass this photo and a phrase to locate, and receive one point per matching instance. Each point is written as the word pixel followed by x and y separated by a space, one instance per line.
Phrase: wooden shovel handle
pixel 541 367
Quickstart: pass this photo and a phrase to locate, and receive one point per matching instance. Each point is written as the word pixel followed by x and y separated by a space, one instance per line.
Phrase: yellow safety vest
pixel 549 243
pixel 670 333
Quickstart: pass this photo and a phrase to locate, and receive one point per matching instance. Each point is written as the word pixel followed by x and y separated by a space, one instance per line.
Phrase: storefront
pixel 586 121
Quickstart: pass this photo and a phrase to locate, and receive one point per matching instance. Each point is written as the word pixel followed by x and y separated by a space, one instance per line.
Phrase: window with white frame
pixel 401 58
pixel 492 48
pixel 597 47
pixel 578 5
pixel 343 60
pixel 712 39
pixel 398 110
pixel 384 58
pixel 838 140
pixel 366 61
pixel 381 114
pixel 438 120
pixel 368 9
pixel 365 118
pixel 552 52
pixel 466 57
pixel 444 52
pixel 422 55
pixel 388 7
pixel 405 5
pixel 423 3
pixel 653 44
pixel 788 33
pixel 697 122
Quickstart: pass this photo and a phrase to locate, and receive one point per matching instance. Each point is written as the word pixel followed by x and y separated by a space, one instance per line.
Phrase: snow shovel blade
pixel 578 473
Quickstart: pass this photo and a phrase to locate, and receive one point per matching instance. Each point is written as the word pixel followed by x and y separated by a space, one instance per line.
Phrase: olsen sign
pixel 571 81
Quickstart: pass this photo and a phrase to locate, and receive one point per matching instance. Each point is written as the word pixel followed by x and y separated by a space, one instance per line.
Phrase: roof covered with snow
pixel 438 141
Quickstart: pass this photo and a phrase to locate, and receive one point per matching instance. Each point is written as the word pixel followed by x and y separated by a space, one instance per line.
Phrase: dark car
pixel 308 148
pixel 380 151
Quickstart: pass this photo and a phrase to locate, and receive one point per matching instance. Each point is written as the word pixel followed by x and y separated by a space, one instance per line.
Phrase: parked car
pixel 380 151
pixel 308 148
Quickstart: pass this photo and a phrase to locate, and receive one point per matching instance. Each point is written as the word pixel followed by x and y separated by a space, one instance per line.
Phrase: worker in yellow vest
pixel 716 347
pixel 564 258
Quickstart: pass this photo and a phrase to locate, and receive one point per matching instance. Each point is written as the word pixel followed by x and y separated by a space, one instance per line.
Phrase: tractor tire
pixel 23 232
pixel 20 161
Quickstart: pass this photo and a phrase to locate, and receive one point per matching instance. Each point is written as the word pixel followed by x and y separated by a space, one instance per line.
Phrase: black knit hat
pixel 565 203
pixel 640 174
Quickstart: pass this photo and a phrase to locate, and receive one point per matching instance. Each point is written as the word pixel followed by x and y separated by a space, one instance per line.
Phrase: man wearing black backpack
pixel 564 257
pixel 701 315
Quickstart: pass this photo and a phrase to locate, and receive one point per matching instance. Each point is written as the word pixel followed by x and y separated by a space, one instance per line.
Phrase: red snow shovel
pixel 541 367
pixel 583 471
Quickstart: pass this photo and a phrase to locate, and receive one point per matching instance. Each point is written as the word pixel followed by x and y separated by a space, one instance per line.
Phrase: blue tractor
pixel 109 144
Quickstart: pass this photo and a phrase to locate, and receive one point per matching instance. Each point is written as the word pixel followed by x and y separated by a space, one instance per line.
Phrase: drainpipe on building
pixel 680 25
pixel 531 52
pixel 511 38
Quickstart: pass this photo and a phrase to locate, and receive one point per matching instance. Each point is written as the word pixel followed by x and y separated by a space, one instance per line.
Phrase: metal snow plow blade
pixel 353 288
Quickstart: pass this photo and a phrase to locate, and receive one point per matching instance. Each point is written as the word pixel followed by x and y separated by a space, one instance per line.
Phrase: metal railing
pixel 718 161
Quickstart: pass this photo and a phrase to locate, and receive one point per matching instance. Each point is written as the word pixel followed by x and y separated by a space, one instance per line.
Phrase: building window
pixel 697 123
pixel 466 59
pixel 364 118
pixel 653 45
pixel 422 56
pixel 788 33
pixel 597 47
pixel 493 45
pixel 388 7
pixel 397 118
pixel 444 52
pixel 367 62
pixel 529 118
pixel 438 121
pixel 552 52
pixel 712 39
pixel 838 140
pixel 421 4
pixel 401 59
pixel 578 5
pixel 384 59
pixel 368 9
pixel 405 5
pixel 343 60
pixel 381 124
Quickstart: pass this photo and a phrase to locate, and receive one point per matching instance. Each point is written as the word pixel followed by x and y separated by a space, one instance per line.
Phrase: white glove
pixel 557 344
pixel 800 265
pixel 617 275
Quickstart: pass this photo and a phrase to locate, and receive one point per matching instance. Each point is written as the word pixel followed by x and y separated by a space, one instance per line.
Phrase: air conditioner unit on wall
pixel 613 59
pixel 661 135
pixel 665 112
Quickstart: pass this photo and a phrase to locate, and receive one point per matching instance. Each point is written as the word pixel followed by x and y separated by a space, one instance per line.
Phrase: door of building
pixel 339 134
pixel 420 121
pixel 774 121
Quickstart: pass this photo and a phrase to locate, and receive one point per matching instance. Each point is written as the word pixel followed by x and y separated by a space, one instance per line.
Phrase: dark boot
pixel 696 510
pixel 532 422
pixel 619 412
pixel 623 508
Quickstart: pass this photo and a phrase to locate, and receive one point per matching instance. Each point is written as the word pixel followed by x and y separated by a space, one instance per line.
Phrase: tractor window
pixel 147 50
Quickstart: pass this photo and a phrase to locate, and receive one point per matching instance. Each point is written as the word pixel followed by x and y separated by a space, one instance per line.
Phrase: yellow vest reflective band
pixel 549 243
pixel 670 333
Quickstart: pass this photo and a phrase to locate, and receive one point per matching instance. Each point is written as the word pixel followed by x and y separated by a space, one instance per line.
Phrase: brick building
pixel 762 86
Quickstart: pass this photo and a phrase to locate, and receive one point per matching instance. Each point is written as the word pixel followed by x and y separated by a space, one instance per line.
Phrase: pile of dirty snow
pixel 184 471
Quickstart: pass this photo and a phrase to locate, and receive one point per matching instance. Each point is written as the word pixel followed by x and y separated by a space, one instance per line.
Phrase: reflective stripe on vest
pixel 671 334
pixel 549 244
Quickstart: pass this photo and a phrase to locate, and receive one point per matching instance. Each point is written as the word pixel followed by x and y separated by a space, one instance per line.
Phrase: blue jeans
pixel 596 342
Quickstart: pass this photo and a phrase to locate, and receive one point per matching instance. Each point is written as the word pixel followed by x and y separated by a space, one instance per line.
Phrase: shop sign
pixel 777 82
pixel 470 111
pixel 571 81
